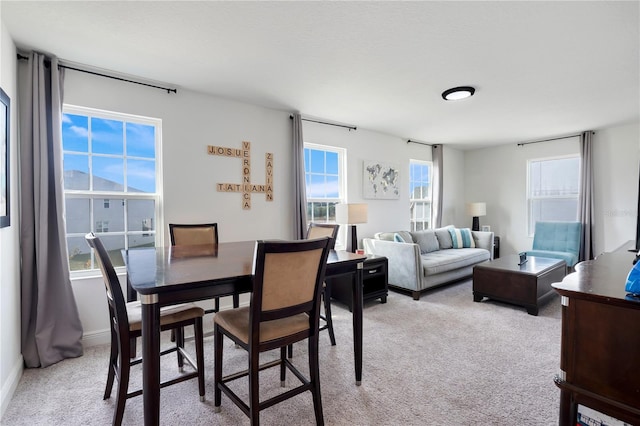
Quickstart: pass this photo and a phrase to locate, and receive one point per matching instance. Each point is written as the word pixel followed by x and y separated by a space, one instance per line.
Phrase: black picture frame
pixel 5 172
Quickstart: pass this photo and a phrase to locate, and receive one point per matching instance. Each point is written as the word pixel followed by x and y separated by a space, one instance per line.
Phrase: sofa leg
pixel 416 295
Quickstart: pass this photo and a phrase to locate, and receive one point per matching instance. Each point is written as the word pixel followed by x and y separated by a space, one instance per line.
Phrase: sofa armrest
pixel 405 264
pixel 484 240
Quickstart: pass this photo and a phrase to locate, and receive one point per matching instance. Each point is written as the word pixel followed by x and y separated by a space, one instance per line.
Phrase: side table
pixel 375 282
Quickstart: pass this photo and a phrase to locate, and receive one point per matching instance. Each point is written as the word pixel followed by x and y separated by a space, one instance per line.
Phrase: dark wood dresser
pixel 600 350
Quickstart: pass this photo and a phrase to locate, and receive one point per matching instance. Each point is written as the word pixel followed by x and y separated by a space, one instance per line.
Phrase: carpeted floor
pixel 443 360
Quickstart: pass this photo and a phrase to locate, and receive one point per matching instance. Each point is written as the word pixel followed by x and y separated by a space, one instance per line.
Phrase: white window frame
pixel 342 189
pixel 532 198
pixel 428 200
pixel 114 195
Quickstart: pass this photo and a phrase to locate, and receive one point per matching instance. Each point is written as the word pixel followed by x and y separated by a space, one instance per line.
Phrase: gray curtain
pixel 585 199
pixel 300 191
pixel 51 328
pixel 436 157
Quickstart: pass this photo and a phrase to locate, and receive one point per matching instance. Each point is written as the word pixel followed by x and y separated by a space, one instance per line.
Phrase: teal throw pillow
pixel 462 238
pixel 398 238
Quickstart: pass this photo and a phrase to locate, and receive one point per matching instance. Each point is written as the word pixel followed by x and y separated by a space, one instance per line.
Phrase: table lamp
pixel 476 210
pixel 351 214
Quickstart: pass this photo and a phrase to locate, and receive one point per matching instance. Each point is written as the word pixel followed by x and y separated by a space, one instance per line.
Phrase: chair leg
pixel 314 376
pixel 217 368
pixel 123 386
pixel 254 388
pixel 179 333
pixel 113 364
pixel 283 367
pixel 326 295
pixel 199 335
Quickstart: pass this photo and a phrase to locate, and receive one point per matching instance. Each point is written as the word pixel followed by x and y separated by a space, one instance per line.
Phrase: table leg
pixel 151 359
pixel 357 321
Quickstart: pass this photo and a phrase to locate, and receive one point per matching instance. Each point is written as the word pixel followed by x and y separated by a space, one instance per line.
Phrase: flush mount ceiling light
pixel 458 93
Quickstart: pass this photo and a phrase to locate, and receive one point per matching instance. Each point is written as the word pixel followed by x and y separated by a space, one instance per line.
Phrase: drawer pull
pixel 373 271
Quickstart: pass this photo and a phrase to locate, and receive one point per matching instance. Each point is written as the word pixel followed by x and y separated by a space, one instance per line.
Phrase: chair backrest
pixel 318 230
pixel 115 298
pixel 288 278
pixel 558 236
pixel 193 234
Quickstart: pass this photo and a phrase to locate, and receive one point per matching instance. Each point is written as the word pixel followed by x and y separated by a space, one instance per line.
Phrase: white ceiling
pixel 541 69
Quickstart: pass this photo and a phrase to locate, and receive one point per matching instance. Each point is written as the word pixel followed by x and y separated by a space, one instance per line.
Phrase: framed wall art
pixel 5 188
pixel 380 181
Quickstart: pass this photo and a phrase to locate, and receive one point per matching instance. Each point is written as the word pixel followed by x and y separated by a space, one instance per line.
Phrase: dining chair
pixel 317 230
pixel 126 321
pixel 284 308
pixel 198 234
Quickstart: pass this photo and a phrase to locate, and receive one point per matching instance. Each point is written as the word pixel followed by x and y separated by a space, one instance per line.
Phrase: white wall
pixel 616 155
pixel 10 354
pixel 498 176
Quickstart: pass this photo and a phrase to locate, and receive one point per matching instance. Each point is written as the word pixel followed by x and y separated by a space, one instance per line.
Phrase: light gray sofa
pixel 427 259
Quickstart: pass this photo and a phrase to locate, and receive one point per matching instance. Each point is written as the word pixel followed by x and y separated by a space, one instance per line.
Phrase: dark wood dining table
pixel 168 275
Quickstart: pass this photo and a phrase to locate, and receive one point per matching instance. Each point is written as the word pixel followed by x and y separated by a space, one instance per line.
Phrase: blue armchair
pixel 558 240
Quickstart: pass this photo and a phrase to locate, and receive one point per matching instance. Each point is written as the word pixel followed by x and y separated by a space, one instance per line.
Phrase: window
pixel 111 182
pixel 324 176
pixel 553 186
pixel 420 188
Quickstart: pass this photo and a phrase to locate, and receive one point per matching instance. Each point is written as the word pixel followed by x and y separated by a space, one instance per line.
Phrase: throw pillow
pixel 426 240
pixel 462 238
pixel 386 236
pixel 444 237
pixel 398 238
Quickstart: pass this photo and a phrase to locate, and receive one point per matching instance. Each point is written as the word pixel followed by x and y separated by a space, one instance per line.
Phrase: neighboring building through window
pixel 324 180
pixel 111 182
pixel 553 187
pixel 420 188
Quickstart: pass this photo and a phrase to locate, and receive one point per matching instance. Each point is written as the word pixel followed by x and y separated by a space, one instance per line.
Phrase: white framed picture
pixel 380 181
pixel 486 228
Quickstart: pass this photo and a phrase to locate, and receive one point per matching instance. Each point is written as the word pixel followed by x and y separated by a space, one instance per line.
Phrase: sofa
pixel 421 260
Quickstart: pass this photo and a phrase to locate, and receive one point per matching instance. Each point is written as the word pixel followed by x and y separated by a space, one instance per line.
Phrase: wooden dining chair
pixel 198 234
pixel 284 308
pixel 126 321
pixel 317 230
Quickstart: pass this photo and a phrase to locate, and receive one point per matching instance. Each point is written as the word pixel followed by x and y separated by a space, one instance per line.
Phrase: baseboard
pixel 11 384
pixel 96 338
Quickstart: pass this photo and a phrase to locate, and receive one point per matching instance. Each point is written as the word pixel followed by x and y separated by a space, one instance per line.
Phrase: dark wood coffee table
pixel 527 285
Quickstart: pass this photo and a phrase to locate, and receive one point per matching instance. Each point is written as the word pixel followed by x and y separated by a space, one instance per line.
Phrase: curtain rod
pixel 169 90
pixel 552 139
pixel 328 124
pixel 422 143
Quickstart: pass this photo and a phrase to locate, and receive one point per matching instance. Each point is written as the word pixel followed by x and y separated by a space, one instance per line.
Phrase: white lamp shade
pixel 477 209
pixel 350 214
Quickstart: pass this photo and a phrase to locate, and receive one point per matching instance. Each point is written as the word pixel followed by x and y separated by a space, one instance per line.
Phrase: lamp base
pixel 476 224
pixel 352 240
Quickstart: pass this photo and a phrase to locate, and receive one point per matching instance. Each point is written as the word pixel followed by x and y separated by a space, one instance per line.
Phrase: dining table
pixel 162 276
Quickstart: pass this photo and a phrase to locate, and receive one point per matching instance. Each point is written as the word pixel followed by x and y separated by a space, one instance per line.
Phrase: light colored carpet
pixel 443 360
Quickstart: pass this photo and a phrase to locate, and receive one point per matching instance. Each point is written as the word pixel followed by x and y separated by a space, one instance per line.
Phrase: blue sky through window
pixel 108 146
pixel 322 173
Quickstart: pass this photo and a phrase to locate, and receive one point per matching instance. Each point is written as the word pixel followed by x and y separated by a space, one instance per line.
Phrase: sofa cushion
pixel 447 260
pixel 426 240
pixel 461 238
pixel 390 236
pixel 444 237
